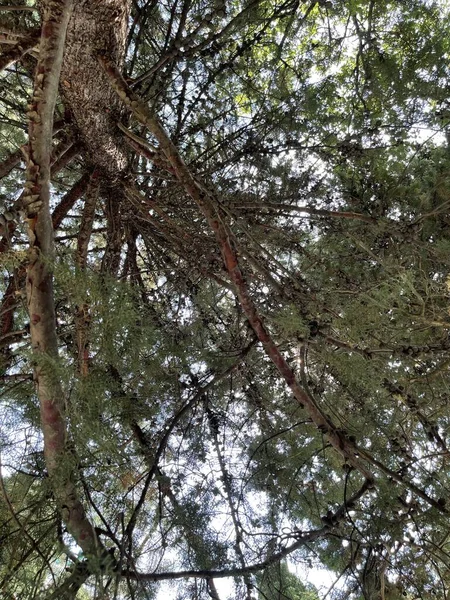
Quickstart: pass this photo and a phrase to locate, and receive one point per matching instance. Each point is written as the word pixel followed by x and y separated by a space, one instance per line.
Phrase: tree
pixel 224 323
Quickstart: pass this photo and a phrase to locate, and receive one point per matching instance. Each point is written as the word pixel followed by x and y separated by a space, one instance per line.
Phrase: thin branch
pixel 22 528
pixel 16 157
pixel 18 51
pixel 169 427
pixel 226 483
pixel 303 538
pixel 19 7
pixel 145 149
pixel 82 317
pixel 69 199
pixel 87 220
pixel 65 156
pixel 11 161
pixel 69 588
pixel 114 233
pixel 308 210
pixel 408 484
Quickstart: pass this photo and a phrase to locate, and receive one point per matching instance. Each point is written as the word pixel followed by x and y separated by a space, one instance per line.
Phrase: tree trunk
pixel 96 26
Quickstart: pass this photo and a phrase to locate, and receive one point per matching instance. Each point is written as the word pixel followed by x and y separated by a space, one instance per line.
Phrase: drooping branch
pixel 41 308
pixel 209 206
pixel 302 538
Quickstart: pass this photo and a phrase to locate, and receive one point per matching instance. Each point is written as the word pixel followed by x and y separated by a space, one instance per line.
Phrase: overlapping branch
pixel 22 47
pixel 209 206
pixel 302 538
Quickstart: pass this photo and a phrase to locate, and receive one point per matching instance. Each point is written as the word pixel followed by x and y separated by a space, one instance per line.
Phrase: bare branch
pixel 19 7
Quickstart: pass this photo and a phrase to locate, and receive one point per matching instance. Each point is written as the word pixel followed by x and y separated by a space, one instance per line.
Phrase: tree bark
pixel 41 308
pixel 96 25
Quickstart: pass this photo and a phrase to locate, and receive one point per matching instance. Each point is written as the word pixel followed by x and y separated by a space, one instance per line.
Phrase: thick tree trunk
pixel 96 26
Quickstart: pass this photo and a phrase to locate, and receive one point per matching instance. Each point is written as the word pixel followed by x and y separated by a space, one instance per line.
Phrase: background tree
pixel 224 323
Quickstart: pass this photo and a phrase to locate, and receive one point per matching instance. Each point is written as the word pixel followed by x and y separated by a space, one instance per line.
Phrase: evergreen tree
pixel 224 322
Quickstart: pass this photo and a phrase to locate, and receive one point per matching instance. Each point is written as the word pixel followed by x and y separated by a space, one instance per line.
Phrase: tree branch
pixel 19 7
pixel 19 50
pixel 303 538
pixel 69 199
pixel 210 208
pixel 306 209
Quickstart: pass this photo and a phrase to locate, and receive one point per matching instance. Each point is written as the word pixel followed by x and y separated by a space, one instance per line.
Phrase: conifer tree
pixel 224 322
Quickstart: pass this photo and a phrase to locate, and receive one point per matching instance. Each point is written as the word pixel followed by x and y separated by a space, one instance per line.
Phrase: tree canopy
pixel 225 298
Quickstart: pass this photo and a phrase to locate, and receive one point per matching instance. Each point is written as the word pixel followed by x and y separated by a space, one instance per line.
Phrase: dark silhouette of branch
pixel 303 538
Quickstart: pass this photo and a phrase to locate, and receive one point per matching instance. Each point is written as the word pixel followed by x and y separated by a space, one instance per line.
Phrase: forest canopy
pixel 225 299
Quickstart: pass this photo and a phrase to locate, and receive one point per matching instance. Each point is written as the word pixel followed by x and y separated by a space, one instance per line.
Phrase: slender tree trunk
pixel 41 307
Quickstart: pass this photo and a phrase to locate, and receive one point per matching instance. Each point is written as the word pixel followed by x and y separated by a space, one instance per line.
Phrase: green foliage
pixel 322 131
pixel 278 583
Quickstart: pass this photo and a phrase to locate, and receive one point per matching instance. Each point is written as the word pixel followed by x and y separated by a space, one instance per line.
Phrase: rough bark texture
pixel 96 26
